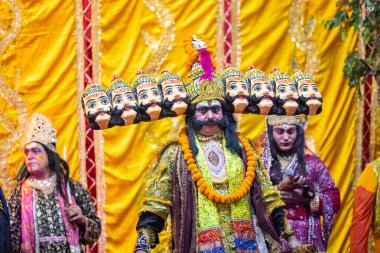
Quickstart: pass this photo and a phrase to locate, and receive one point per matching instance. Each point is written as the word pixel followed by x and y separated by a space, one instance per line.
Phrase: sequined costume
pixel 366 211
pixel 5 239
pixel 49 223
pixel 196 229
pixel 306 224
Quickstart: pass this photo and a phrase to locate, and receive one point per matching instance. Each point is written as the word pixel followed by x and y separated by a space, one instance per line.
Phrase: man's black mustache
pixel 231 99
pixel 93 117
pixel 198 124
pixel 145 107
pixel 255 100
pixel 120 111
pixel 169 104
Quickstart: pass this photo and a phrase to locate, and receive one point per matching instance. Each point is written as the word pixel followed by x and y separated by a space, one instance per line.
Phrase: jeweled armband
pixel 146 239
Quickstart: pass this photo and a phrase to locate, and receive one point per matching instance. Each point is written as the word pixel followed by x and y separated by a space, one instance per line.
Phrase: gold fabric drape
pixel 39 73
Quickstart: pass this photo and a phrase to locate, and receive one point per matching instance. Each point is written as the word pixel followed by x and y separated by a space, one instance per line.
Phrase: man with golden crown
pixel 304 182
pixel 49 212
pixel 210 182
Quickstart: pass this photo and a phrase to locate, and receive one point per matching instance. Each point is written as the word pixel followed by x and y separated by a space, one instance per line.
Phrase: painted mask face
pixel 286 95
pixel 98 109
pixel 175 96
pixel 124 104
pixel 237 92
pixel 309 95
pixel 149 99
pixel 284 135
pixel 36 159
pixel 262 94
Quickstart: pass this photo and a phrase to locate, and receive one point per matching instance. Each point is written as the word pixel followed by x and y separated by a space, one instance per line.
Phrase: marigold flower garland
pixel 202 184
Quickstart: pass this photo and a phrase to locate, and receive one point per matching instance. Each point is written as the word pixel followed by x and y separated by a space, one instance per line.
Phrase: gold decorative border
pixel 375 119
pixel 301 36
pixel 13 99
pixel 220 37
pixel 80 81
pixel 235 28
pixel 164 44
pixel 98 135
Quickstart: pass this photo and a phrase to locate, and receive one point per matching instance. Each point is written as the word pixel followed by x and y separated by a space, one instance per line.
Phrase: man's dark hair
pixel 298 148
pixel 56 164
pixel 227 124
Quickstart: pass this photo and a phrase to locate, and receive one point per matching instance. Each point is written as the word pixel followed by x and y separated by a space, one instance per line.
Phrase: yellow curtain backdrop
pixel 39 73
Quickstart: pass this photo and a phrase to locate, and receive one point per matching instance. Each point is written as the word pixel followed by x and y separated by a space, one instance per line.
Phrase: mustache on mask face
pixel 92 117
pixel 305 99
pixel 281 102
pixel 145 107
pixel 255 100
pixel 119 112
pixel 169 104
pixel 231 99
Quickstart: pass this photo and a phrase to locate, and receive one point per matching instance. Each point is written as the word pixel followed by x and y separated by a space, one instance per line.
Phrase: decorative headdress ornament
pixel 230 71
pixel 203 84
pixel 118 83
pixel 298 75
pixel 166 75
pixel 275 120
pixel 277 75
pixel 253 73
pixel 142 78
pixel 40 129
pixel 93 88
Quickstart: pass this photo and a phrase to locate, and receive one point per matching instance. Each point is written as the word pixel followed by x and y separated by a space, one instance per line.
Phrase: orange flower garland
pixel 202 184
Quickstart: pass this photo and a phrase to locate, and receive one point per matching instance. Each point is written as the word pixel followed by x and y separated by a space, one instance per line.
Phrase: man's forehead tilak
pixel 208 103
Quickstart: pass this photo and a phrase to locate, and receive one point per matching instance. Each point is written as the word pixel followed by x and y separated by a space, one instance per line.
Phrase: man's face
pixel 284 135
pixel 175 96
pixel 286 95
pixel 309 95
pixel 237 91
pixel 149 99
pixel 36 159
pixel 98 108
pixel 208 115
pixel 262 94
pixel 124 104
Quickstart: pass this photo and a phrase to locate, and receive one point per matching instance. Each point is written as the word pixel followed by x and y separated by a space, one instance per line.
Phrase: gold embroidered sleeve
pixel 158 184
pixel 270 194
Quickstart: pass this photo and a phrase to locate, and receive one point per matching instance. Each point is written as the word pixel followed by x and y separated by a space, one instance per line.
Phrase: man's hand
pixel 75 214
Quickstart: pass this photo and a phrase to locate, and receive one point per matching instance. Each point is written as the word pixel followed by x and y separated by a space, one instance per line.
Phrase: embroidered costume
pixel 366 211
pixel 48 224
pixel 214 188
pixel 324 196
pixel 51 213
